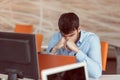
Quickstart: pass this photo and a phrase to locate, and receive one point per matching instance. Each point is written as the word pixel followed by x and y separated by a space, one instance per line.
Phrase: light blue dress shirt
pixel 89 51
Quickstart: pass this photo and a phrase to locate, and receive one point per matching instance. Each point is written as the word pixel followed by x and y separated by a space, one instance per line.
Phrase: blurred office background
pixel 99 16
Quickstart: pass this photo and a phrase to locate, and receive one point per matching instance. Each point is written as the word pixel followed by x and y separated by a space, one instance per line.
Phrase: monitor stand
pixel 14 74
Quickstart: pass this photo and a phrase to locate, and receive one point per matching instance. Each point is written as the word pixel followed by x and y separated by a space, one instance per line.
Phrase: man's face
pixel 72 36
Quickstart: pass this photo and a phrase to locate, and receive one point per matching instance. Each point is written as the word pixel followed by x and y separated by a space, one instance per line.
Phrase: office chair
pixel 22 28
pixel 104 52
pixel 28 29
pixel 39 38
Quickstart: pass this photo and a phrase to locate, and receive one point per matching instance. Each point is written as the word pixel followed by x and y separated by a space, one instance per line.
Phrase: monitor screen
pixel 18 55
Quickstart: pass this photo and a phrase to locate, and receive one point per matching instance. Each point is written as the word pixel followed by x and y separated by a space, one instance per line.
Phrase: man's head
pixel 69 25
pixel 68 22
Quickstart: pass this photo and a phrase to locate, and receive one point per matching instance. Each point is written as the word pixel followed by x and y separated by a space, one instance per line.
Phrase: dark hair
pixel 68 22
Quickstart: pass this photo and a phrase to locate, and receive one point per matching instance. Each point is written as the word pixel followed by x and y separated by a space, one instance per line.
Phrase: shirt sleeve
pixel 53 41
pixel 92 58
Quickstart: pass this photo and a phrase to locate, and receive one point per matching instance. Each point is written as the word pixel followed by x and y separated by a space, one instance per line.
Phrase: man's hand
pixel 59 45
pixel 67 44
pixel 70 45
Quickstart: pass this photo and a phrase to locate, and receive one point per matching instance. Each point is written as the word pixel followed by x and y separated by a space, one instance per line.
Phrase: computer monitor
pixel 76 71
pixel 18 56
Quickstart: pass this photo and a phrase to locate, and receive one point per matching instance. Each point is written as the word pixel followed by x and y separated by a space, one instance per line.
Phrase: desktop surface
pixel 103 77
pixel 49 61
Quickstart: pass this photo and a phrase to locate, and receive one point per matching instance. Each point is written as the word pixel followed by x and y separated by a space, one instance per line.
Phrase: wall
pixel 99 16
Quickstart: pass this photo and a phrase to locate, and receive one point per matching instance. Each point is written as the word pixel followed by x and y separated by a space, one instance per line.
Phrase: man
pixel 71 40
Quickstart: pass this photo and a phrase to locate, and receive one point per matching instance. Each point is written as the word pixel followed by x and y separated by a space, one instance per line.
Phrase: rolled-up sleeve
pixel 92 58
pixel 53 41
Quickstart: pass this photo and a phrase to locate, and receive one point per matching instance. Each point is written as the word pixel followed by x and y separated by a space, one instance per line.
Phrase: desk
pixel 108 77
pixel 103 77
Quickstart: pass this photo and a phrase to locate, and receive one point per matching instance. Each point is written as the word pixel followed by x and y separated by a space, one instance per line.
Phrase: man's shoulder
pixel 89 35
pixel 56 35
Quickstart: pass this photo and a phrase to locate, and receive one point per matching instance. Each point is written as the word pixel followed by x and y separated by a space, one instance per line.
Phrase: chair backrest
pixel 39 38
pixel 28 29
pixel 104 52
pixel 22 28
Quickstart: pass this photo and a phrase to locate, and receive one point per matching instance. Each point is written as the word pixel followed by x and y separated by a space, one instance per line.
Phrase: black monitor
pixel 18 56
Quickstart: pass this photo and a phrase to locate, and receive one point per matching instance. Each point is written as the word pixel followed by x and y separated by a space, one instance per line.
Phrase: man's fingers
pixel 53 53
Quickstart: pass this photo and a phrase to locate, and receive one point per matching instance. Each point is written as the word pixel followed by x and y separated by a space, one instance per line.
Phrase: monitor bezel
pixel 55 70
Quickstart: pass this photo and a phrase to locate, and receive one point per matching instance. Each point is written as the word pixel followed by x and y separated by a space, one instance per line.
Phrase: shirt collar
pixel 81 36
